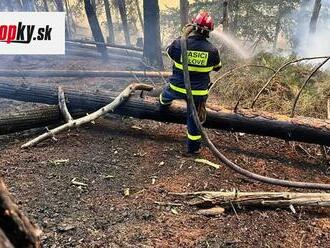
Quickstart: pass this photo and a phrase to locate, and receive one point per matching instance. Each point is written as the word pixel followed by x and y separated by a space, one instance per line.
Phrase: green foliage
pixel 245 83
pixel 249 20
pixel 170 25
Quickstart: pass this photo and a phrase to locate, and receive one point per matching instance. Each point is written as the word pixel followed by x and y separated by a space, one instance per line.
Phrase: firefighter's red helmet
pixel 204 21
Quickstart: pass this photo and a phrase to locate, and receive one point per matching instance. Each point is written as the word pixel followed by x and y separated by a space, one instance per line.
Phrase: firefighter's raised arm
pixel 174 50
pixel 217 61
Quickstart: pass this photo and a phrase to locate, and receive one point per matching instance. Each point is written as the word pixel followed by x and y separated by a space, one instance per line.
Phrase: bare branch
pixel 304 85
pixel 278 71
pixel 237 68
pixel 62 105
pixel 83 120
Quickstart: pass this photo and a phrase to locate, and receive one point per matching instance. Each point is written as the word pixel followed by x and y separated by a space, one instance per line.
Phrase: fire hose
pixel 212 147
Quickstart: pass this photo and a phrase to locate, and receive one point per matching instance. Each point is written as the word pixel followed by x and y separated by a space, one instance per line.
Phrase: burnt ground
pixel 146 157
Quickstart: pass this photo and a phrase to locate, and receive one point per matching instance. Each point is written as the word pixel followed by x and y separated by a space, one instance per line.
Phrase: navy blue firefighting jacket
pixel 203 57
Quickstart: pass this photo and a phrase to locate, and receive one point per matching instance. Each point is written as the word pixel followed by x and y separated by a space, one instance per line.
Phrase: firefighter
pixel 203 57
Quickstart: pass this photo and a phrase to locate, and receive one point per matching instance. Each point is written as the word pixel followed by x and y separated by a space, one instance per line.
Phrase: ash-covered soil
pixel 118 154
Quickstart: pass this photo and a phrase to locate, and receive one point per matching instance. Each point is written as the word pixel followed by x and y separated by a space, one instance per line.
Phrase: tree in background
pixel 95 27
pixel 139 13
pixel 60 8
pixel 315 16
pixel 184 12
pixel 225 20
pixel 123 15
pixel 109 22
pixel 152 51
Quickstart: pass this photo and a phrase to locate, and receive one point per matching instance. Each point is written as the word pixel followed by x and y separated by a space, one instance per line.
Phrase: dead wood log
pixel 36 117
pixel 71 123
pixel 138 9
pixel 111 50
pixel 302 129
pixel 107 44
pixel 76 51
pixel 15 226
pixel 81 74
pixel 256 199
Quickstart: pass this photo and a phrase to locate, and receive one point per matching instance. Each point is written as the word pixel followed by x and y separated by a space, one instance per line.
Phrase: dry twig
pixel 278 71
pixel 304 85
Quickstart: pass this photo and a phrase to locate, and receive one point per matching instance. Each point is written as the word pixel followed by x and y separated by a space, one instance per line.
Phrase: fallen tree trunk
pixel 74 123
pixel 107 44
pixel 111 50
pixel 297 129
pixel 16 227
pixel 32 118
pixel 81 74
pixel 269 199
pixel 76 51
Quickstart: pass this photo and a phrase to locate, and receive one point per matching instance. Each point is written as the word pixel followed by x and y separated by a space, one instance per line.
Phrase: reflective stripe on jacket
pixel 203 57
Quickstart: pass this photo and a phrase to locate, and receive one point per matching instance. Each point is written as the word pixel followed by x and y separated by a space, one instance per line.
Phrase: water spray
pixel 215 151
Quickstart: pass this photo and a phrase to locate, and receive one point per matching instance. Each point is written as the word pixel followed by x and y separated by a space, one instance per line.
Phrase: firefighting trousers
pixel 193 135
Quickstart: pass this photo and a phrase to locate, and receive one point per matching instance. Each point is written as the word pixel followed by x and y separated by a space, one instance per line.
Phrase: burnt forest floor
pixel 145 157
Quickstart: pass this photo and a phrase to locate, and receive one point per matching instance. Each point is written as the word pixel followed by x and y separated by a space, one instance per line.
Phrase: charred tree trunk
pixel 315 16
pixel 93 2
pixel 83 73
pixel 95 27
pixel 74 28
pixel 16 227
pixel 75 123
pixel 124 47
pixel 30 118
pixel 300 29
pixel 139 14
pixel 278 26
pixel 111 32
pixel 297 129
pixel 68 21
pixel 234 7
pixel 152 51
pixel 123 15
pixel 225 20
pixel 184 10
pixel 60 8
pixel 111 50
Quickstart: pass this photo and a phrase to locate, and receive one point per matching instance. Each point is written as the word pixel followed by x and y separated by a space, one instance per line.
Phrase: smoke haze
pixel 317 44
